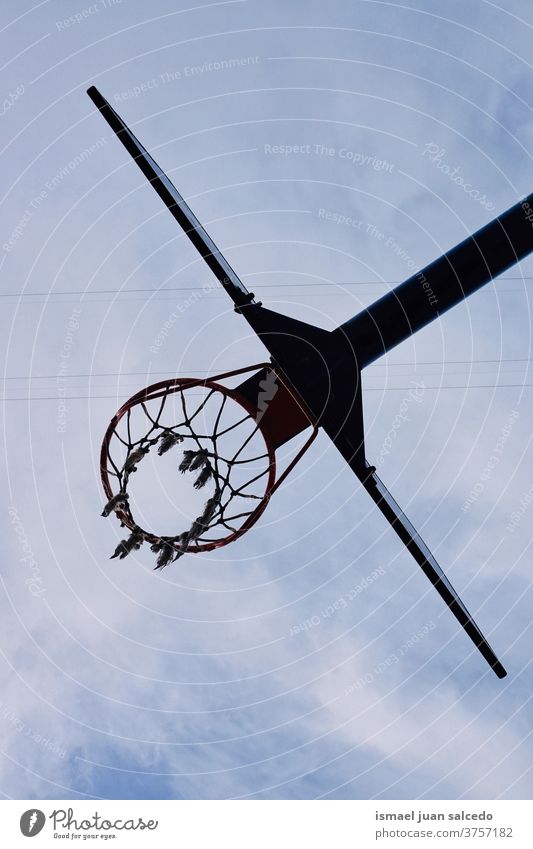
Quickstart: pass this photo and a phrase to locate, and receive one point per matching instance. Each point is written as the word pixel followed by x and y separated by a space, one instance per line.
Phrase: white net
pixel 188 459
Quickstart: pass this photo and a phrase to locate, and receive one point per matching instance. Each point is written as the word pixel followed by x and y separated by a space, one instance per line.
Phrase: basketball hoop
pixel 324 368
pixel 219 437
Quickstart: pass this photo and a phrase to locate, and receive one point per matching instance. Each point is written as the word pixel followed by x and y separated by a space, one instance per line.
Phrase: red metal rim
pixel 168 387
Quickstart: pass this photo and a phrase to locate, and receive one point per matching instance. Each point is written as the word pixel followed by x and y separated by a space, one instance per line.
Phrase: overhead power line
pixel 369 389
pixel 207 372
pixel 146 290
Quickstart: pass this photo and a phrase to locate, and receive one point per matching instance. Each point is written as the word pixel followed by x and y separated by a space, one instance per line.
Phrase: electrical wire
pixel 147 290
pixel 204 372
pixel 369 389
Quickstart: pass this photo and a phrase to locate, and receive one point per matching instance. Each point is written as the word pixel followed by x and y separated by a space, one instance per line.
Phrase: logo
pixel 32 822
pixel 267 389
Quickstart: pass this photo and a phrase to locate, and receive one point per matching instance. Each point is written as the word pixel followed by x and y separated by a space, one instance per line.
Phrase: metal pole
pixel 177 205
pixel 441 285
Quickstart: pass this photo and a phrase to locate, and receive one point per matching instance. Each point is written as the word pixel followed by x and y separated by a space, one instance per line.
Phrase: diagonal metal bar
pixel 427 562
pixel 175 203
pixel 443 284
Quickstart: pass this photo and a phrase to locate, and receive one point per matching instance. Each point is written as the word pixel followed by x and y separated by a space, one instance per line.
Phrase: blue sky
pixel 200 682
